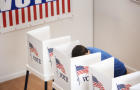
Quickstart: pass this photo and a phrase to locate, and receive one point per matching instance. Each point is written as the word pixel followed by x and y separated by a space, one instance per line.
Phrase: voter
pixel 119 67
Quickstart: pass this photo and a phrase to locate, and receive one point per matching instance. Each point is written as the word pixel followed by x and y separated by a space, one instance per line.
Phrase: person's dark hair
pixel 79 50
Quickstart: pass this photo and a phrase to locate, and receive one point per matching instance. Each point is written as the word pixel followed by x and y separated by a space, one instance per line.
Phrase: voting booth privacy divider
pixel 101 75
pixel 80 72
pixel 72 73
pixel 129 82
pixel 40 48
pixel 135 87
pixel 62 55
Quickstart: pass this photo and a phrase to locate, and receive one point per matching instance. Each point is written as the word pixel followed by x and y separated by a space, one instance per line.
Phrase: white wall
pixel 13 51
pixel 117 29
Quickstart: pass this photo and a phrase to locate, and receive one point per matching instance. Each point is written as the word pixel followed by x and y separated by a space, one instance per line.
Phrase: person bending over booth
pixel 119 67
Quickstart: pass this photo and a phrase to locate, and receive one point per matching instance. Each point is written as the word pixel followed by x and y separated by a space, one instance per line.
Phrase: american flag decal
pixel 81 70
pixel 33 14
pixel 97 83
pixel 123 86
pixel 50 50
pixel 60 66
pixel 32 49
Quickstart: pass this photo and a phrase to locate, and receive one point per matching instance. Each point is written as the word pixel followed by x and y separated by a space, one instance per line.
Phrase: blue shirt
pixel 119 68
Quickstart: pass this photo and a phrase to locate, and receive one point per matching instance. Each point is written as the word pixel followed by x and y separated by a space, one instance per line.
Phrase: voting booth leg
pixel 53 89
pixel 26 80
pixel 46 84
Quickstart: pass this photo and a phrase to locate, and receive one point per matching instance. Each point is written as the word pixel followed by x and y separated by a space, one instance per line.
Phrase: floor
pixel 34 83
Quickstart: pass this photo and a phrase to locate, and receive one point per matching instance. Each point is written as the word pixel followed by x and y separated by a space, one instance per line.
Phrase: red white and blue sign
pixel 17 14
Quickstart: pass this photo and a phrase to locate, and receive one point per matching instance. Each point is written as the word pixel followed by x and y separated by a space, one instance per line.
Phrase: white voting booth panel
pixel 66 76
pixel 40 34
pixel 79 70
pixel 35 40
pixel 62 54
pixel 101 75
pixel 50 44
pixel 127 82
pixel 40 48
pixel 135 87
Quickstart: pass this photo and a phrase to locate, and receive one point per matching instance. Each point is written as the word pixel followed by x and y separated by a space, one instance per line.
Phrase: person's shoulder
pixel 89 47
pixel 94 48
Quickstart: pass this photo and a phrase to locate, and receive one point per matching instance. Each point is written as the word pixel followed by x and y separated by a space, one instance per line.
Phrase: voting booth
pixel 62 54
pixel 50 58
pixel 36 62
pixel 79 70
pixel 50 45
pixel 72 73
pixel 40 53
pixel 127 82
pixel 101 75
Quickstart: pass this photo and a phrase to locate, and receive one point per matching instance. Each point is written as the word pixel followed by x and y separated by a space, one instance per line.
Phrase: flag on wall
pixel 17 14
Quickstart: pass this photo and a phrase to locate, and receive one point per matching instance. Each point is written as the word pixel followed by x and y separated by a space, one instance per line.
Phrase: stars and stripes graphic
pixel 123 86
pixel 97 83
pixel 60 66
pixel 32 49
pixel 34 14
pixel 81 70
pixel 50 50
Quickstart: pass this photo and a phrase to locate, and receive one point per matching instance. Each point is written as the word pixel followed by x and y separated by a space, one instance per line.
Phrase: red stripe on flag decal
pixel 69 10
pixel 52 9
pixel 35 14
pixel 17 16
pixel 10 18
pixel 29 14
pixel 40 10
pixel 4 19
pixel 63 6
pixel 57 6
pixel 46 9
pixel 23 15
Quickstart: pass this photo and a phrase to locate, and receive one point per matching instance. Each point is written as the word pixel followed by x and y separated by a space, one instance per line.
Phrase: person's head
pixel 79 50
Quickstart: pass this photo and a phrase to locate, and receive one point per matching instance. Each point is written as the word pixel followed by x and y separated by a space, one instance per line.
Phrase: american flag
pixel 34 14
pixel 32 49
pixel 123 86
pixel 97 83
pixel 60 66
pixel 81 70
pixel 50 52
